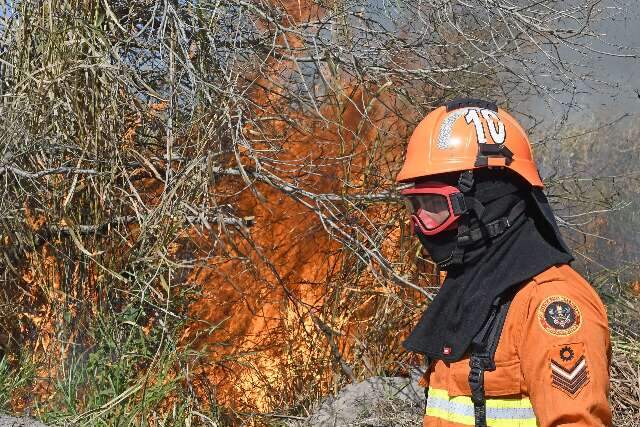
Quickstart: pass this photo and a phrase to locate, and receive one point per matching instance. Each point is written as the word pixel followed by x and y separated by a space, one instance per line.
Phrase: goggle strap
pixel 458 204
pixel 465 181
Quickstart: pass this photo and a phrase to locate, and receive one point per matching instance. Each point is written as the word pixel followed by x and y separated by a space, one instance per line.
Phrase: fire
pixel 267 348
pixel 287 312
pixel 291 310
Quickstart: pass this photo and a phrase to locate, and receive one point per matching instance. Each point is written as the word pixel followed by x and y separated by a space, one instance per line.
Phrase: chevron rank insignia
pixel 569 369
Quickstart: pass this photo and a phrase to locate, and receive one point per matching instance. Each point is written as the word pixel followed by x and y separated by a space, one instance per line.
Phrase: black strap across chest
pixel 482 356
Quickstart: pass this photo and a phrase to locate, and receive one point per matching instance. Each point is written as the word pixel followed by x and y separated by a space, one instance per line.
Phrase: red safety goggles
pixel 434 206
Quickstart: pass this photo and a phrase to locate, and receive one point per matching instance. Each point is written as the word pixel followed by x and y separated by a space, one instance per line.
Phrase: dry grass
pixel 624 319
pixel 198 215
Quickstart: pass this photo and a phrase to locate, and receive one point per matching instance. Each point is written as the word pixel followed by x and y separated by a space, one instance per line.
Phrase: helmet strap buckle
pixel 458 204
pixel 465 181
pixel 493 155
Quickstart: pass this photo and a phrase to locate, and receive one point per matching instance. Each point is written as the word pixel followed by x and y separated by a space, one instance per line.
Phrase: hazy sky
pixel 616 93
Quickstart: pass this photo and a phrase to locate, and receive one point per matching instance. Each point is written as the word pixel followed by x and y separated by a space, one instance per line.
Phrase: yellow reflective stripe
pixel 523 402
pixel 451 417
pixel 510 412
pixel 470 420
pixel 508 403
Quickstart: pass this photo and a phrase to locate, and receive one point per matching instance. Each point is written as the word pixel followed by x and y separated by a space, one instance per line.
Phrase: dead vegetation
pixel 199 222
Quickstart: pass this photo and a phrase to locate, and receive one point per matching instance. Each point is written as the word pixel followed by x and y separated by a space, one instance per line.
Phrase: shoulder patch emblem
pixel 559 316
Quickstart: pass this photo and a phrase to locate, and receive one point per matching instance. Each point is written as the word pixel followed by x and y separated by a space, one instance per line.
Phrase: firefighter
pixel 515 336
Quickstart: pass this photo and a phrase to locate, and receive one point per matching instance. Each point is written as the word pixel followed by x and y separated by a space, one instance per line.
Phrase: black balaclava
pixel 489 267
pixel 439 246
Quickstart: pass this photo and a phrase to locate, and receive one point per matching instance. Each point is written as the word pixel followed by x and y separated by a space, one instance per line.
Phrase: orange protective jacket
pixel 552 362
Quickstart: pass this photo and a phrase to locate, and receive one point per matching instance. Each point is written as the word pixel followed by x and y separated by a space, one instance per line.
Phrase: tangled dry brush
pixel 198 218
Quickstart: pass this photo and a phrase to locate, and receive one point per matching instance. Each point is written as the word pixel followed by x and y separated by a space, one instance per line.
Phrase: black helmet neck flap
pixel 507 237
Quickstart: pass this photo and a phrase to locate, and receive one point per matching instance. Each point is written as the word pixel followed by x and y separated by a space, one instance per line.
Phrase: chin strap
pixel 465 184
pixel 494 228
pixel 485 231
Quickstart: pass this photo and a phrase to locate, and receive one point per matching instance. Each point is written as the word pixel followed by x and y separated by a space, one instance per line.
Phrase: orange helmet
pixel 468 134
